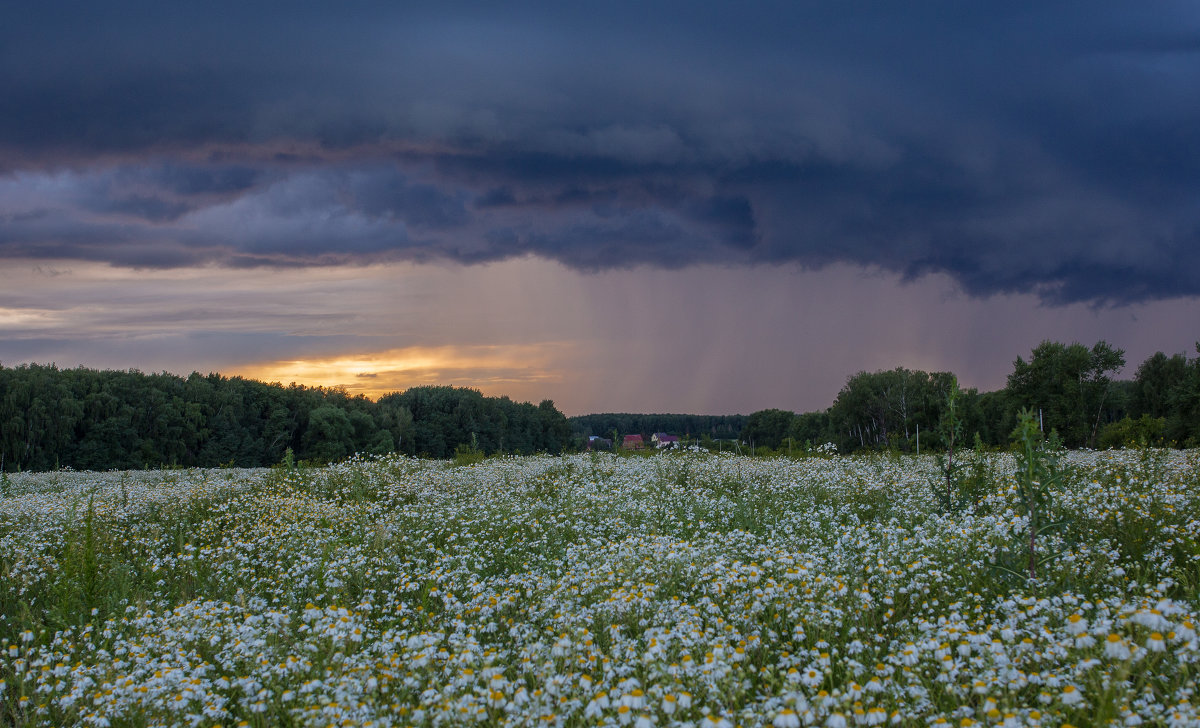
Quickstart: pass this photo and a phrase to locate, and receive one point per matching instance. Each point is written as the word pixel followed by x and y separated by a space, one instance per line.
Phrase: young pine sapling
pixel 1037 473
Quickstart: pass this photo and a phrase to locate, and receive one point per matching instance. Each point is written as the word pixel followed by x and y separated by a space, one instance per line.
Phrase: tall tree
pixel 1069 384
pixel 329 434
pixel 768 428
pixel 882 409
pixel 1155 382
pixel 812 428
pixel 1183 419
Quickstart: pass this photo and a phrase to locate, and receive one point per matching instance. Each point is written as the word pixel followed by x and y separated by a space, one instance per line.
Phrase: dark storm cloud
pixel 192 180
pixel 384 193
pixel 1045 147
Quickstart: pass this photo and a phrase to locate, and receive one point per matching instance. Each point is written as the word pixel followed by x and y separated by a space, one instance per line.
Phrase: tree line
pixel 1070 388
pixel 100 420
pixel 716 427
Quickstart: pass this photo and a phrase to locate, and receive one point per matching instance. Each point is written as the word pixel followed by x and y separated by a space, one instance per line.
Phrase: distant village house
pixel 663 441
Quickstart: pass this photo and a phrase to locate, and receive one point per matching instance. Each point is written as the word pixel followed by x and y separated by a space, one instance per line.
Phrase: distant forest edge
pixel 1068 386
pixel 102 420
pixel 715 427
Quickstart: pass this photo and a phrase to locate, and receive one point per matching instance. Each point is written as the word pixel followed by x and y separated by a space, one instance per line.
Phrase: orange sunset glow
pixel 491 369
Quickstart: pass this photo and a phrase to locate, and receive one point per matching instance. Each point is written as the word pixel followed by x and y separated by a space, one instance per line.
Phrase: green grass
pixel 455 574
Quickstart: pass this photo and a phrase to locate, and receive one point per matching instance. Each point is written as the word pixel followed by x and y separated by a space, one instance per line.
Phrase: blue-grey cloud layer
pixel 1047 147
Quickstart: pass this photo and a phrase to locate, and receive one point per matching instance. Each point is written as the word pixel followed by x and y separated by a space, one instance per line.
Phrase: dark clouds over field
pixel 670 206
pixel 1051 148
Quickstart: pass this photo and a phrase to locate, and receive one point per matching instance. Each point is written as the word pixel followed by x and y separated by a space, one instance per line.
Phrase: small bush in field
pixel 1145 431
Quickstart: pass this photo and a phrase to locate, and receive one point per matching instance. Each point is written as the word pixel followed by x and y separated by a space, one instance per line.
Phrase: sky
pixel 644 207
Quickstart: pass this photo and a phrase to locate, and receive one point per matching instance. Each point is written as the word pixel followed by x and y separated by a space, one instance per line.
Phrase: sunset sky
pixel 666 207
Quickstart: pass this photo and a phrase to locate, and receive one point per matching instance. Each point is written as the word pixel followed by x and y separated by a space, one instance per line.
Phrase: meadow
pixel 689 589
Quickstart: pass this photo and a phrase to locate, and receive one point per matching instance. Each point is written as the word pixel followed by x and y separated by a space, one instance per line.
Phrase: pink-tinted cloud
pixel 705 339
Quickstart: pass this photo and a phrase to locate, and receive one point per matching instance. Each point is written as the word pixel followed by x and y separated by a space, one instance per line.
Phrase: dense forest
pixel 1069 387
pixel 98 420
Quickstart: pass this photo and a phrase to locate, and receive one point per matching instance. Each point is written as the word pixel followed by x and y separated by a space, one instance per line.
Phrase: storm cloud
pixel 1050 148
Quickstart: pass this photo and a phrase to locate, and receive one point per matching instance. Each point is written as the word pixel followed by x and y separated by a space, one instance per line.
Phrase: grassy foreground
pixel 683 590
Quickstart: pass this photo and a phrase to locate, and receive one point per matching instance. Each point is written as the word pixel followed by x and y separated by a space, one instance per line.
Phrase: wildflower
pixel 1116 648
pixel 1151 619
pixel 1155 642
pixel 669 704
pixel 1185 632
pixel 835 720
pixel 1071 696
pixel 1178 720
pixel 597 705
pixel 786 718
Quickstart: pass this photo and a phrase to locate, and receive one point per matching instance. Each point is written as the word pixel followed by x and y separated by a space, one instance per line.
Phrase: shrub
pixel 1142 432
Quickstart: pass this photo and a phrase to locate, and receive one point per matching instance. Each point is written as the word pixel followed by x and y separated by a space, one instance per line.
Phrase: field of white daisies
pixel 678 590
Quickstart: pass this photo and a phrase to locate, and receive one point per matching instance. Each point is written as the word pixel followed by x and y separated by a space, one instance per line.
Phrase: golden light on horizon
pixel 493 369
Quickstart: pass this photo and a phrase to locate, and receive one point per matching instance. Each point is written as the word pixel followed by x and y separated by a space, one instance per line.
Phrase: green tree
pixel 1069 384
pixel 329 435
pixel 1183 420
pixel 1155 383
pixel 769 428
pixel 556 430
pixel 812 428
pixel 882 409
